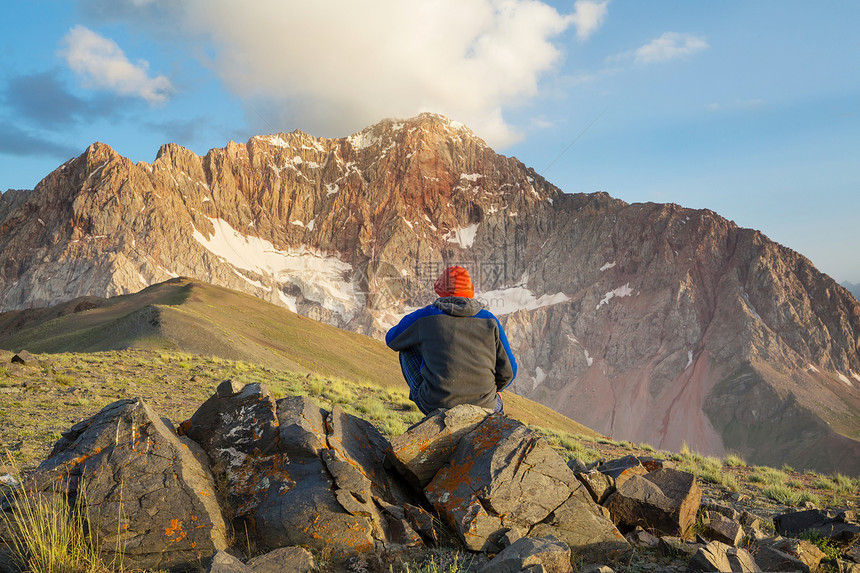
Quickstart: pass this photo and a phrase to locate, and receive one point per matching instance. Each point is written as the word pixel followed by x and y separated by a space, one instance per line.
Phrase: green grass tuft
pixel 64 379
pixel 767 476
pixel 439 561
pixel 782 494
pixel 372 407
pixel 825 544
pixel 845 484
pixel 824 483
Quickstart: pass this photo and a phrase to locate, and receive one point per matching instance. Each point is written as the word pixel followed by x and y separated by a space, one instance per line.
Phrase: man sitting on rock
pixel 453 351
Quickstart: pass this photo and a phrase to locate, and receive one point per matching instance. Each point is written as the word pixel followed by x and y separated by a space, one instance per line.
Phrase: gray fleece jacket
pixel 466 355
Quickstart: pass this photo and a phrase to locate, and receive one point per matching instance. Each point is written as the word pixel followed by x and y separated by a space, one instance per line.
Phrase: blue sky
pixel 748 108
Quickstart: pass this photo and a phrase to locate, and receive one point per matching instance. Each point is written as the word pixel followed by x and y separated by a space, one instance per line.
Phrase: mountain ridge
pixel 183 315
pixel 623 316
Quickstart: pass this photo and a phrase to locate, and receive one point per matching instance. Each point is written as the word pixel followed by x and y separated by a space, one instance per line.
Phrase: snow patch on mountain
pixel 507 300
pixel 464 236
pixel 319 275
pixel 619 292
pixel 362 140
pixel 275 140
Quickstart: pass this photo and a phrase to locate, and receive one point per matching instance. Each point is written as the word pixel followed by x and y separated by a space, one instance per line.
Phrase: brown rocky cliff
pixel 647 322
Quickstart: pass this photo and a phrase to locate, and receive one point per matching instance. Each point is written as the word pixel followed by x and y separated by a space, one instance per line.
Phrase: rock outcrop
pixel 704 332
pixel 298 474
pixel 549 553
pixel 842 527
pixel 148 493
pixel 716 556
pixel 665 500
pixel 296 477
pixel 504 477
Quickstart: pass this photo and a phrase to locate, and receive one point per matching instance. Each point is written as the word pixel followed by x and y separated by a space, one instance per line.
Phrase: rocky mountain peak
pixel 644 321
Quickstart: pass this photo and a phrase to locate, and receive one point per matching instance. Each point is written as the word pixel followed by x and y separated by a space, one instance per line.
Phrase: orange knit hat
pixel 454 281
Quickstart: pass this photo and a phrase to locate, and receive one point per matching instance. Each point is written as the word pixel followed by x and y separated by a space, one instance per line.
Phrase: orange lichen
pixel 175 528
pixel 84 457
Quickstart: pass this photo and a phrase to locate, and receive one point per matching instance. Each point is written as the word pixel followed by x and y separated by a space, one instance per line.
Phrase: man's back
pixel 453 352
pixel 459 343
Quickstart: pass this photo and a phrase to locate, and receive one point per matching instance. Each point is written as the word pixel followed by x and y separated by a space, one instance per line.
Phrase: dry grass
pixel 48 536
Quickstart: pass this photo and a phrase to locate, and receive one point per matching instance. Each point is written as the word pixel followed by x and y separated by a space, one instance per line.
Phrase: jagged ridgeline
pixel 646 322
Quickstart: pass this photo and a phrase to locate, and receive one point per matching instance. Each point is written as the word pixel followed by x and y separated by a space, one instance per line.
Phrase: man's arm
pixel 404 335
pixel 506 364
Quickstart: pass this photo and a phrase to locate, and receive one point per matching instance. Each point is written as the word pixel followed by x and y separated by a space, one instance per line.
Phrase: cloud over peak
pixel 339 70
pixel 588 16
pixel 102 64
pixel 331 68
pixel 669 46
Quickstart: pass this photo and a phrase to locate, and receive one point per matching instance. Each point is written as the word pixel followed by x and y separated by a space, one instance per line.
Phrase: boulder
pixel 238 427
pixel 622 469
pixel 670 547
pixel 503 476
pixel 146 490
pixel 586 528
pixel 598 484
pixel 298 506
pixel 720 528
pixel 754 535
pixel 750 520
pixel 409 525
pixel 770 559
pixel 283 560
pixel 24 358
pixel 360 444
pixel 724 510
pixel 641 538
pixel 425 447
pixel 846 566
pixel 853 552
pixel 842 527
pixel 223 562
pixel 301 427
pixel 577 465
pixel 716 556
pixel 807 553
pixel 664 500
pixel 548 552
pixel 298 474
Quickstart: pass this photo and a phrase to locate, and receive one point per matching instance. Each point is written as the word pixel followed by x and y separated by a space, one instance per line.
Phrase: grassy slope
pixel 199 318
pixel 38 402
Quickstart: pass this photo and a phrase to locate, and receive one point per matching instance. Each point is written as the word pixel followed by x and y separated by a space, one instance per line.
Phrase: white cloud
pixel 103 65
pixel 669 46
pixel 587 17
pixel 332 68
